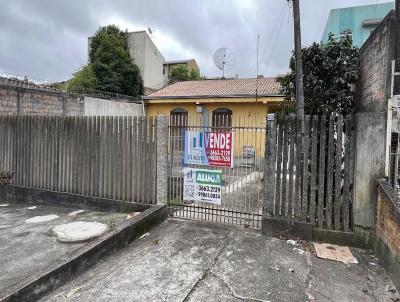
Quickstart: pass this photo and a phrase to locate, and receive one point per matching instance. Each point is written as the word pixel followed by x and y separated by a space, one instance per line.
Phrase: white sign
pixel 202 185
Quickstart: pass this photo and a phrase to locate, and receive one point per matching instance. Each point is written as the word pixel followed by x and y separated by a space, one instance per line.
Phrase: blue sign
pixel 195 149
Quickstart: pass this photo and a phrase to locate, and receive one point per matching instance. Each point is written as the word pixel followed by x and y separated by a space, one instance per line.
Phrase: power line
pixel 274 42
pixel 272 36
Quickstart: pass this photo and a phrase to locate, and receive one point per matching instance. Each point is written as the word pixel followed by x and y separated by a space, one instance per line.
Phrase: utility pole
pixel 302 162
pixel 258 42
pixel 299 73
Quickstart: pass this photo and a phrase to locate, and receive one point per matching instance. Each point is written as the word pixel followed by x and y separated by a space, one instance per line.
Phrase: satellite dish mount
pixel 224 59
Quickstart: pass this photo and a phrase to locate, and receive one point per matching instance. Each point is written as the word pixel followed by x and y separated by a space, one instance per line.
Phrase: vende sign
pixel 219 148
pixel 209 148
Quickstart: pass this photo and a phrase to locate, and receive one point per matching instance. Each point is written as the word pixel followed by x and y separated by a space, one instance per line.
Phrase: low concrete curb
pixel 64 269
pixel 34 196
pixel 275 227
pixel 278 227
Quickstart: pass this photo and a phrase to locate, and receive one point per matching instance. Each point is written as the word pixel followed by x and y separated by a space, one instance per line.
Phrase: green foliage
pixel 179 73
pixel 194 75
pixel 113 68
pixel 61 86
pixel 330 70
pixel 84 78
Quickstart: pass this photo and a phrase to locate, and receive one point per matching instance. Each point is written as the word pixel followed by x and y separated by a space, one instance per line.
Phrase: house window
pixel 222 118
pixel 178 123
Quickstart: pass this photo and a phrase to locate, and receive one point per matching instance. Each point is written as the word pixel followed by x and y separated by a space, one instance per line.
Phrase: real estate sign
pixel 209 148
pixel 202 185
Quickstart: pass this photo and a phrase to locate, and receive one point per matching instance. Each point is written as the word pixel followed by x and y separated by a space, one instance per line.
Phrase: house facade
pixel 357 22
pixel 214 104
pixel 205 100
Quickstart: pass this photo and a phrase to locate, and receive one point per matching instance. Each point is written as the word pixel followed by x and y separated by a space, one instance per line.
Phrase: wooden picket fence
pixel 109 157
pixel 321 193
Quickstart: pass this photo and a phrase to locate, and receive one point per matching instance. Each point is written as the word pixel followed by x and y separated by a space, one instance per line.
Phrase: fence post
pixel 370 159
pixel 162 159
pixel 269 165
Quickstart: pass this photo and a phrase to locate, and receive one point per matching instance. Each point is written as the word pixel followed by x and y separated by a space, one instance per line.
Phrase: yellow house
pixel 240 104
pixel 244 98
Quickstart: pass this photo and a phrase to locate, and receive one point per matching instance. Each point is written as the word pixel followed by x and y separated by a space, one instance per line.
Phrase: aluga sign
pixel 209 148
pixel 202 185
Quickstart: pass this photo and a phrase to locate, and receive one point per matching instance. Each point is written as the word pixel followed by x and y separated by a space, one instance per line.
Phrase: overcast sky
pixel 47 39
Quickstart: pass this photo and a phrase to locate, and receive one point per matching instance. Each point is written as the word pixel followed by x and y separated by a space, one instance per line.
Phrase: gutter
pixel 212 96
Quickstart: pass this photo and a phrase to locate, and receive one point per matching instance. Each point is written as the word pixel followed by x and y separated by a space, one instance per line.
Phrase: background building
pixel 357 22
pixel 168 65
pixel 148 58
pixel 154 69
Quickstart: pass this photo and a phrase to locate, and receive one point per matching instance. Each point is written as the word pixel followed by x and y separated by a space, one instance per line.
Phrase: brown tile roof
pixel 218 88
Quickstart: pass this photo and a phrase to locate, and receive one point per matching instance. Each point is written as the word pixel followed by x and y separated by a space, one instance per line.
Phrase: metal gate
pixel 242 188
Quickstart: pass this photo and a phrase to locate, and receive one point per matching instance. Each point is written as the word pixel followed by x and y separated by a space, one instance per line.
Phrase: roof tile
pixel 218 88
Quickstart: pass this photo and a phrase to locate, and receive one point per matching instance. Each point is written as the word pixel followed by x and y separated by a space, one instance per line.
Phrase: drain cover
pixel 79 231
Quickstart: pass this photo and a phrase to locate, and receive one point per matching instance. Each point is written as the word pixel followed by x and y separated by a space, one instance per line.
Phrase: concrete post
pixel 162 159
pixel 370 155
pixel 20 101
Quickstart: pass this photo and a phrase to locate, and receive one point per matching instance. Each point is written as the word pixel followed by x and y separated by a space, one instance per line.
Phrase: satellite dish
pixel 224 59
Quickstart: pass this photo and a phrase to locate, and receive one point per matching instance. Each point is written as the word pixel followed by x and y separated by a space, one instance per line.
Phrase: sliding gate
pixel 241 188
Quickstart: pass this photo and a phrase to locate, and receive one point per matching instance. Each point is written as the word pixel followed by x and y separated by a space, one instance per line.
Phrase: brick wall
pixel 373 87
pixel 387 230
pixel 19 98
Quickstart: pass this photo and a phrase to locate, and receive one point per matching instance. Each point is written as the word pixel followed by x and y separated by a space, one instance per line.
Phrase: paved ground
pixel 28 248
pixel 192 261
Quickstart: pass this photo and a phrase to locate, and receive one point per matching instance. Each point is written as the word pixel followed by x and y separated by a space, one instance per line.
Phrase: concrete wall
pixel 100 107
pixel 372 115
pixel 147 57
pixel 387 241
pixel 373 90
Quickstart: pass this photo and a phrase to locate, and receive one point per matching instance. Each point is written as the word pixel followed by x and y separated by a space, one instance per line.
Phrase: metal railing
pixel 17 83
pixel 242 184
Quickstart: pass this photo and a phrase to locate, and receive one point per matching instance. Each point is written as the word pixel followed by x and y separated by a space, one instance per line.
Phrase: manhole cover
pixel 79 231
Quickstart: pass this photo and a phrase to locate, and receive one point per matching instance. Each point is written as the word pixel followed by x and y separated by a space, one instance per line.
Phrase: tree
pixel 113 68
pixel 179 73
pixel 84 78
pixel 194 75
pixel 330 72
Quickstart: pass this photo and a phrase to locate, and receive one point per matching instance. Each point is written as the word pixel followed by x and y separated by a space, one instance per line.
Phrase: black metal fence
pixel 242 184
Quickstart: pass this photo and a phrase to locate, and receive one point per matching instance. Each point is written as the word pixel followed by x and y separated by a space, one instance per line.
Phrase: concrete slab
pixel 26 248
pixel 192 261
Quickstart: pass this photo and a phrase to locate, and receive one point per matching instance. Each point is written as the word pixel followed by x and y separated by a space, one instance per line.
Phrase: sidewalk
pixel 192 261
